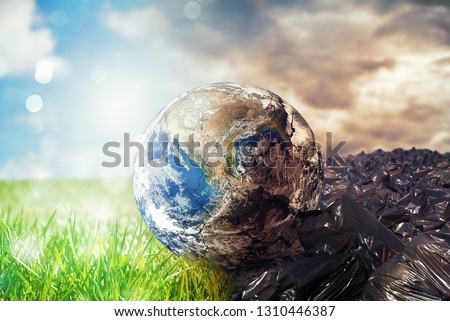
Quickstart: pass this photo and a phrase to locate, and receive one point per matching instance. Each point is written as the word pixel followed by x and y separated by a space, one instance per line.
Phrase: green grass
pixel 85 240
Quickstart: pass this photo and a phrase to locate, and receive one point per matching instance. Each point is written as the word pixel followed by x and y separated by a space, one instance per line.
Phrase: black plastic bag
pixel 353 245
pixel 420 272
pixel 343 246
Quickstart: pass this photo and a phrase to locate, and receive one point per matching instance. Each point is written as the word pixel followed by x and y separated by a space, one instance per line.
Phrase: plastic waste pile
pixel 382 232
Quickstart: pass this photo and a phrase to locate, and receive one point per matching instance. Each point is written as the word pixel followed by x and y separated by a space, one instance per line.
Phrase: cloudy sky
pixel 77 74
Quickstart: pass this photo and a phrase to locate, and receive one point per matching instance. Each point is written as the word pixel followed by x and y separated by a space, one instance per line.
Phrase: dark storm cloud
pixel 324 82
pixel 432 23
pixel 408 128
pixel 387 134
pixel 319 58
pixel 335 58
pixel 431 2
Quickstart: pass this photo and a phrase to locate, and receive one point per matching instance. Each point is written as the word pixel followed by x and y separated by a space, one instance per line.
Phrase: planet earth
pixel 227 168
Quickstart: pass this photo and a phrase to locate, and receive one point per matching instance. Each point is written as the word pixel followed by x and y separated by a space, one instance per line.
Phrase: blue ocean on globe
pixel 183 188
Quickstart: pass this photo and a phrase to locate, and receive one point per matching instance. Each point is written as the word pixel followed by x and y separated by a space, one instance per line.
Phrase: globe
pixel 227 167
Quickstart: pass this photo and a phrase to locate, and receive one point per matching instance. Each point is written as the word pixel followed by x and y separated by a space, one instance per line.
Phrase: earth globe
pixel 227 168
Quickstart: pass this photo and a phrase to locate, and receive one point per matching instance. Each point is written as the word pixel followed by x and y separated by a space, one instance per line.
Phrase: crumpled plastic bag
pixel 420 272
pixel 354 244
pixel 343 246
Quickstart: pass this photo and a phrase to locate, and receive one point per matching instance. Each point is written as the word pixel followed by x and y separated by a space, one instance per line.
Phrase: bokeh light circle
pixel 192 10
pixel 44 72
pixel 34 103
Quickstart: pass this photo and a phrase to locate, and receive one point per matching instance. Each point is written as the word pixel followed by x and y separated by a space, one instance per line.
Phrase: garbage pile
pixel 382 232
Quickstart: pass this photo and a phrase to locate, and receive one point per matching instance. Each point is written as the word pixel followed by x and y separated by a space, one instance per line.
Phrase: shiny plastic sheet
pixel 354 244
pixel 421 272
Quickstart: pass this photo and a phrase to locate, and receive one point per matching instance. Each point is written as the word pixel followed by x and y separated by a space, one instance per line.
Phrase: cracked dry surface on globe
pixel 227 168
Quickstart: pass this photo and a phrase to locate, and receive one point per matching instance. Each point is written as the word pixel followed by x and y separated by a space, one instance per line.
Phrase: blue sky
pixel 373 73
